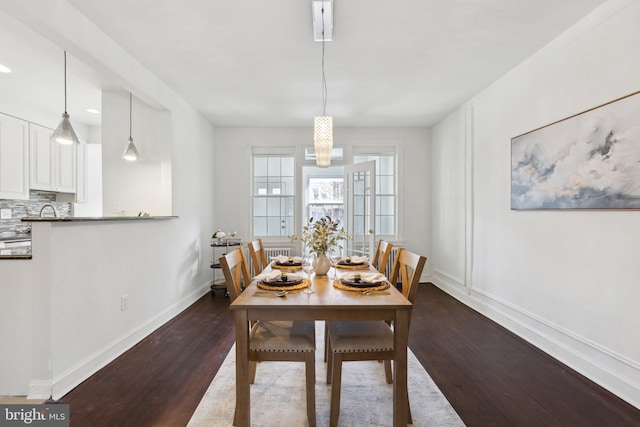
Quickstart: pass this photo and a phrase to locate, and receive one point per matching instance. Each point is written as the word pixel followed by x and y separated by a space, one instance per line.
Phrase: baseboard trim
pixel 603 366
pixel 40 390
pixel 72 377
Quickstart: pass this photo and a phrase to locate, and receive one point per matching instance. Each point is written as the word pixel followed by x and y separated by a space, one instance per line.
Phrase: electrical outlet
pixel 5 213
pixel 124 302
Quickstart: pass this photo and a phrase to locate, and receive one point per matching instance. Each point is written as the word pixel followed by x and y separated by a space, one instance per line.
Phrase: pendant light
pixel 130 152
pixel 64 133
pixel 323 125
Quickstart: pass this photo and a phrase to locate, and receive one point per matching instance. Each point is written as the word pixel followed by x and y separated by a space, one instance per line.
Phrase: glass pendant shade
pixel 130 153
pixel 323 140
pixel 64 133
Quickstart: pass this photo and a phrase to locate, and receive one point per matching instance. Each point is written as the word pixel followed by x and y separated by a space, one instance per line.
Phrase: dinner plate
pixel 350 263
pixel 279 282
pixel 360 283
pixel 289 264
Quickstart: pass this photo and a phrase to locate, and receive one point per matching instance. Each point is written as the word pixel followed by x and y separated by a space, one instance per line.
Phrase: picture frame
pixel 590 160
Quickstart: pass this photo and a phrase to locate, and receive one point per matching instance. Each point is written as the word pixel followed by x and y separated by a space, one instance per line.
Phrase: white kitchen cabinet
pixel 81 172
pixel 52 165
pixel 14 158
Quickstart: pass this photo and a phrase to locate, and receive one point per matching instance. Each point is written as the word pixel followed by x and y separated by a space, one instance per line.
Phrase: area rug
pixel 278 395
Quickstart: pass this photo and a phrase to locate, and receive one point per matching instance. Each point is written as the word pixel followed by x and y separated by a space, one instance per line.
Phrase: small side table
pixel 220 247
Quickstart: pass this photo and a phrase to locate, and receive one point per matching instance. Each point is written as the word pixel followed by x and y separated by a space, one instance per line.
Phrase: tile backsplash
pixel 31 208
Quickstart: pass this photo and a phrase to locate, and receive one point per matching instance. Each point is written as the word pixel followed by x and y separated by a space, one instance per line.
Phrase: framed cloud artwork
pixel 590 160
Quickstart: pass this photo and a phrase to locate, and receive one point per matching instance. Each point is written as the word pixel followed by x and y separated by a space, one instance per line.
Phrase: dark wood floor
pixel 491 377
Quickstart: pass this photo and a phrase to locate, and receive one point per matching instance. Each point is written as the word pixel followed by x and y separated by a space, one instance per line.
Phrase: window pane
pixel 260 166
pixel 359 159
pixel 274 227
pixel 386 165
pixel 385 185
pixel 288 186
pixel 273 207
pixel 386 225
pixel 289 223
pixel 259 206
pixel 288 206
pixel 260 226
pixel 358 205
pixel 386 205
pixel 274 166
pixel 287 166
pixel 260 186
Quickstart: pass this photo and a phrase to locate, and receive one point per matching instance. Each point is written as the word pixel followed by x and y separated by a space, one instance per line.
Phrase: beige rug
pixel 278 395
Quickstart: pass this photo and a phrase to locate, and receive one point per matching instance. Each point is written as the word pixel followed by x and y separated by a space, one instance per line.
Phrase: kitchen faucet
pixel 55 211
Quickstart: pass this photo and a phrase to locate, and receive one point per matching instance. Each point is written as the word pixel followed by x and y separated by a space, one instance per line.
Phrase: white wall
pixel 233 174
pixel 132 187
pixel 79 271
pixel 567 281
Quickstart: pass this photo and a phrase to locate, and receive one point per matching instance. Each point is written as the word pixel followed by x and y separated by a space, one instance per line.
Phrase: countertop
pixel 96 218
pixel 20 252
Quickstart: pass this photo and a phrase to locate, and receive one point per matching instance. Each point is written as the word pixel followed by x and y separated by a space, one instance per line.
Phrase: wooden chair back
pixel 381 255
pixel 236 271
pixel 408 268
pixel 258 256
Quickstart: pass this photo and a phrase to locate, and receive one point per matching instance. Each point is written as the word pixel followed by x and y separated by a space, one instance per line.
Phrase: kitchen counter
pixel 96 218
pixel 20 252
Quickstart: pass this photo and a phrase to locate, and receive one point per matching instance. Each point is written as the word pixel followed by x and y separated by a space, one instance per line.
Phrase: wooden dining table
pixel 327 303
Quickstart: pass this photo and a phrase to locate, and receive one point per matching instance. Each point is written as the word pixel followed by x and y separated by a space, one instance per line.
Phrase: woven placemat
pixel 274 287
pixel 338 284
pixel 286 267
pixel 364 266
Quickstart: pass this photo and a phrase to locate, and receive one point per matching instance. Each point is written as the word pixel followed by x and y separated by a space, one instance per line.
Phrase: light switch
pixel 5 213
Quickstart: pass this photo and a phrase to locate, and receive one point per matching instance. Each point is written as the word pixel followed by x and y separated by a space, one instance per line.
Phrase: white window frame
pixel 384 150
pixel 286 151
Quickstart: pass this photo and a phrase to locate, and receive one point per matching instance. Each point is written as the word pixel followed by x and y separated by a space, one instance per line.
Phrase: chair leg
pixel 387 371
pixel 335 389
pixel 326 341
pixel 409 418
pixel 252 371
pixel 235 415
pixel 310 381
pixel 329 365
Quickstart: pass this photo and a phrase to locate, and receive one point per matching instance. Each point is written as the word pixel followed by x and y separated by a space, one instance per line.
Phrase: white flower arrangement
pixel 218 234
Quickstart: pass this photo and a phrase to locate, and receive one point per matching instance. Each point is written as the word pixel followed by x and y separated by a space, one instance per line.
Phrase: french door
pixel 360 197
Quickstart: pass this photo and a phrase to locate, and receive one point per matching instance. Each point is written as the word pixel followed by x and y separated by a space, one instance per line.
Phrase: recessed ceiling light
pixel 4 69
pixel 93 111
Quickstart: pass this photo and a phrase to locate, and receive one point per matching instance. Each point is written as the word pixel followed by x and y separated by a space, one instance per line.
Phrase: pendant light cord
pixel 130 113
pixel 65 82
pixel 324 78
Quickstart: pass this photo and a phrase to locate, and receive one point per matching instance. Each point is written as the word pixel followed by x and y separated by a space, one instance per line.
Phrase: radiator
pixel 269 252
pixel 391 261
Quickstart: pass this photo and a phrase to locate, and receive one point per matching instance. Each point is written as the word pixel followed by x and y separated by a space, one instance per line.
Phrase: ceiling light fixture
pixel 4 69
pixel 323 125
pixel 130 153
pixel 64 133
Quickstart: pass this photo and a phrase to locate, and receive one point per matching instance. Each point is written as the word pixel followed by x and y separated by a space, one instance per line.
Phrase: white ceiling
pixel 393 63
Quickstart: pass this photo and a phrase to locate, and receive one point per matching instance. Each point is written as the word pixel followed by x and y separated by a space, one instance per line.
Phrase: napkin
pixel 367 277
pixel 356 259
pixel 283 258
pixel 270 276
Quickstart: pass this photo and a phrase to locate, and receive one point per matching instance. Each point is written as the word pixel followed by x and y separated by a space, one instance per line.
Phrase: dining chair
pixel 380 260
pixel 258 256
pixel 381 255
pixel 369 340
pixel 282 341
